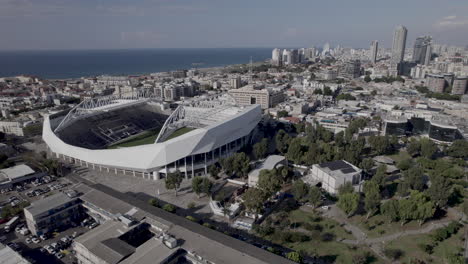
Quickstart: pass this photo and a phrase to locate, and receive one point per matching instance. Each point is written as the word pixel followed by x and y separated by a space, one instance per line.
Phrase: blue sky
pixel 118 24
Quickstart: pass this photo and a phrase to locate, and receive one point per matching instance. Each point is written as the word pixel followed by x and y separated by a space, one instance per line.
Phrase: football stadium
pixel 136 135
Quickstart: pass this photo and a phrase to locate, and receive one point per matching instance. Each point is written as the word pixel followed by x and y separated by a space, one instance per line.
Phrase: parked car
pixel 36 240
pixel 93 225
pixel 59 255
pixel 28 240
pixel 43 237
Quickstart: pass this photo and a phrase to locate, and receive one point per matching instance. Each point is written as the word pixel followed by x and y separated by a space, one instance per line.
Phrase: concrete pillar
pixel 57 155
pixel 156 175
pixel 133 173
pixel 193 171
pixel 206 168
pixel 94 167
pixel 115 170
pixel 107 169
pixel 185 164
pixel 123 172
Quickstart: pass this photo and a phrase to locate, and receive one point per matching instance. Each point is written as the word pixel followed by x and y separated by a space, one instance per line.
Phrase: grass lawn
pixel 333 250
pixel 410 246
pixel 378 225
pixel 402 155
pixel 147 137
pixel 179 132
pixel 329 225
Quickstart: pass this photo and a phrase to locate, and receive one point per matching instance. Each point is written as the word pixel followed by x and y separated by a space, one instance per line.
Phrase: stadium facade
pixel 188 139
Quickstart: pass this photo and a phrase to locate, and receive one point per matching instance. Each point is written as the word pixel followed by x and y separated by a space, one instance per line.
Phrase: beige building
pixel 332 175
pixel 435 83
pixel 459 85
pixel 267 97
pixel 46 215
pixel 12 128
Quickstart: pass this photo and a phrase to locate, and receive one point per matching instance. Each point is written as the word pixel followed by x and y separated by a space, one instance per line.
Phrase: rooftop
pixel 9 256
pixel 338 167
pixel 269 164
pixel 48 203
pixel 16 171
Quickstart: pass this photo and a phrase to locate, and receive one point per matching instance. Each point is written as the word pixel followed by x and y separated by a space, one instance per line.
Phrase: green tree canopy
pixel 254 199
pixel 371 197
pixel 349 203
pixel 260 149
pixel 458 149
pixel 314 196
pixel 299 190
pixel 269 181
pixel 173 181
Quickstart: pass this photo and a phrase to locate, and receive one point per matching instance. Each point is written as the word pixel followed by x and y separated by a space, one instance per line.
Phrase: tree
pixel 327 91
pixel 239 163
pixel 439 191
pixel 379 144
pixel 372 197
pixel 206 186
pixel 260 149
pixel 196 185
pixel 380 176
pixel 294 256
pixel 391 210
pixel 169 207
pixel 349 203
pixel 282 141
pixel 404 165
pixel 283 113
pixel 173 181
pixel 201 185
pixel 314 196
pixel 367 79
pixel 367 164
pixel 417 207
pixel 153 202
pixel 415 178
pixel 214 171
pixel 269 181
pixel 299 190
pixel 413 147
pixel 345 188
pixel 254 199
pixel 295 153
pixel 428 148
pixel 393 254
pixel 458 149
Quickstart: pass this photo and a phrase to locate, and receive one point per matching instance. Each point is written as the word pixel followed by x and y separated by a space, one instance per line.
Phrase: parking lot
pixel 20 239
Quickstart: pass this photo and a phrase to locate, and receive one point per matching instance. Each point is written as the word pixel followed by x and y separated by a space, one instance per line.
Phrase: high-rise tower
pixel 422 50
pixel 374 48
pixel 399 44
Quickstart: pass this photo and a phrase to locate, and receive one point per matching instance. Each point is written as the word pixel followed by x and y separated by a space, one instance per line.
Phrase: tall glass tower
pixel 399 44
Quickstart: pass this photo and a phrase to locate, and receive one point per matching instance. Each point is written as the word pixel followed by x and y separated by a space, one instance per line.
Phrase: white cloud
pixel 451 22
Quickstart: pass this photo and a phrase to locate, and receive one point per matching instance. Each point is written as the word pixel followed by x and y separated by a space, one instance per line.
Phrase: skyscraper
pixel 399 44
pixel 422 50
pixel 374 48
pixel 276 57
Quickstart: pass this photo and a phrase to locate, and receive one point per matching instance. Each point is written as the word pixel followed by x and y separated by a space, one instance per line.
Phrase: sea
pixel 63 64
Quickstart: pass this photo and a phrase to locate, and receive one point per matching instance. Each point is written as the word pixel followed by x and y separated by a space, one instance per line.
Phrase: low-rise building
pixel 267 97
pixel 12 128
pixel 272 162
pixel 332 175
pixel 51 213
pixel 17 174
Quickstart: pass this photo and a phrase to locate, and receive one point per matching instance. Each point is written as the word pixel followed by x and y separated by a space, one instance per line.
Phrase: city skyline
pixel 52 24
